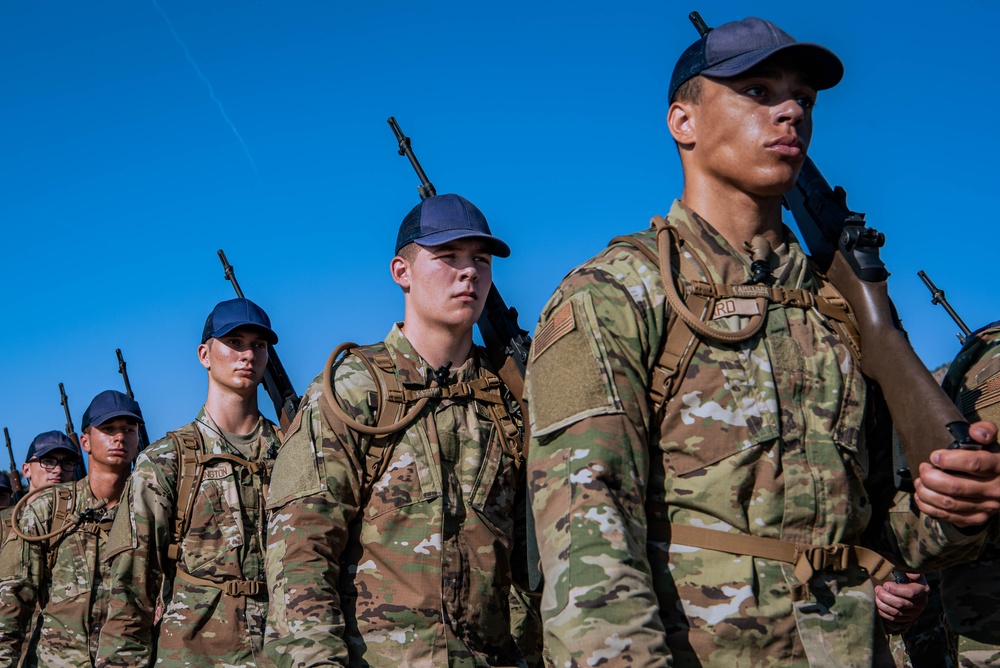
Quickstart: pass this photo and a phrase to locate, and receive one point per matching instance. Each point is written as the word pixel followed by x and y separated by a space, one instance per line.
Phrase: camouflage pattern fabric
pixel 74 596
pixel 970 592
pixel 420 574
pixel 767 437
pixel 201 625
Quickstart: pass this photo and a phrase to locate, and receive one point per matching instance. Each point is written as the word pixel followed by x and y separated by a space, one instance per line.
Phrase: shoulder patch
pixel 296 470
pixel 559 325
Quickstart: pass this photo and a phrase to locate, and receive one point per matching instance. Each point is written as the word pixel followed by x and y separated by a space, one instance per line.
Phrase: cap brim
pixel 494 245
pixel 269 335
pixel 38 454
pixel 98 421
pixel 820 65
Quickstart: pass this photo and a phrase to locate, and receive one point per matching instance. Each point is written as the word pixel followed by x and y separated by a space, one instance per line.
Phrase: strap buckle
pixel 242 587
pixel 836 557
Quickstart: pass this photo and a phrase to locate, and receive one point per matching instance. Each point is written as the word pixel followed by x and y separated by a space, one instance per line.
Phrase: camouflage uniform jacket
pixel 420 574
pixel 73 596
pixel 970 592
pixel 766 437
pixel 202 625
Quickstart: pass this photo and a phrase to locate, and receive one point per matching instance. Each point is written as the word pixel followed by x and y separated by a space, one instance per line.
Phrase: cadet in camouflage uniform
pixel 65 575
pixel 668 537
pixel 409 564
pixel 970 592
pixel 211 576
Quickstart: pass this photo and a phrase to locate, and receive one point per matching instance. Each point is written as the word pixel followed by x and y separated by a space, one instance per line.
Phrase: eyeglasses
pixel 52 463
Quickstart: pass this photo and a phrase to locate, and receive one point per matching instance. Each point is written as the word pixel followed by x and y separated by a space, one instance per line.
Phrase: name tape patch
pixel 728 307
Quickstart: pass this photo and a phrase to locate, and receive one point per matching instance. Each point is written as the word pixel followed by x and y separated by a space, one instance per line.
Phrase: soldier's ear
pixel 681 122
pixel 85 440
pixel 400 270
pixel 203 357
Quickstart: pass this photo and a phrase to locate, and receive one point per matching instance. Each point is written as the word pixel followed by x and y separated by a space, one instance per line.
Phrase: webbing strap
pixel 188 446
pixel 228 587
pixel 253 468
pixel 808 559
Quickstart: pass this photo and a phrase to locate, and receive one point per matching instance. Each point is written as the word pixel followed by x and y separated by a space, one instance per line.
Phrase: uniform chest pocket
pixel 407 479
pixel 216 529
pixel 75 564
pixel 494 492
pixel 727 403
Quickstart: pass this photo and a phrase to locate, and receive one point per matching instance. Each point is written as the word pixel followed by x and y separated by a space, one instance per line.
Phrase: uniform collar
pixel 412 369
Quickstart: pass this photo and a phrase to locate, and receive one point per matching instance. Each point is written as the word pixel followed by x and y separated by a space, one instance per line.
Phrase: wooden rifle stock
pixel 847 252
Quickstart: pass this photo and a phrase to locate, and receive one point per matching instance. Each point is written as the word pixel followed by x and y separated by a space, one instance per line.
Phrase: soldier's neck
pixel 234 412
pixel 738 216
pixel 106 483
pixel 438 345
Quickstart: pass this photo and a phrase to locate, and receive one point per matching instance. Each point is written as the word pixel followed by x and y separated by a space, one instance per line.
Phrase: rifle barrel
pixel 15 474
pixel 124 372
pixel 426 188
pixel 230 274
pixel 937 297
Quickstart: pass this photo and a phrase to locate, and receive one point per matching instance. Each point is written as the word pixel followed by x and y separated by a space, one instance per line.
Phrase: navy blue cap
pixel 736 47
pixel 443 218
pixel 5 481
pixel 228 315
pixel 50 441
pixel 108 405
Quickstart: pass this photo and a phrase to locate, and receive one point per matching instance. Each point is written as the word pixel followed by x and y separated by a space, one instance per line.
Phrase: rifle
pixel 143 434
pixel 15 473
pixel 847 252
pixel 937 297
pixel 78 471
pixel 276 380
pixel 506 343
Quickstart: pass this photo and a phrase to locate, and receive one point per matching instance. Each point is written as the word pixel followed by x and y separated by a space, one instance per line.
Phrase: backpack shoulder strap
pixel 188 444
pixel 389 407
pixel 62 510
pixel 680 342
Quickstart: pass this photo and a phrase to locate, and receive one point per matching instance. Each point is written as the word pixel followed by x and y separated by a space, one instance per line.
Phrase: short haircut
pixel 689 91
pixel 409 251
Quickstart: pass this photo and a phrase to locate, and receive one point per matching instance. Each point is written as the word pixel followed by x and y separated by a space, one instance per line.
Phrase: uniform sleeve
pixel 21 583
pixel 917 542
pixel 137 550
pixel 313 498
pixel 587 471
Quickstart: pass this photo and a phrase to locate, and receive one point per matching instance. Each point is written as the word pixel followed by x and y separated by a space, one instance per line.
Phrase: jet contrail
pixel 211 91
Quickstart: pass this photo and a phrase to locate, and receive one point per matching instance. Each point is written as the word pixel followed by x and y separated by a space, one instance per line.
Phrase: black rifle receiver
pixel 122 369
pixel 15 473
pixel 276 380
pixel 505 342
pixel 937 297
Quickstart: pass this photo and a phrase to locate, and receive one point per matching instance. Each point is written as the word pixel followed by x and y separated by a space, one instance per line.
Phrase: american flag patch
pixel 559 325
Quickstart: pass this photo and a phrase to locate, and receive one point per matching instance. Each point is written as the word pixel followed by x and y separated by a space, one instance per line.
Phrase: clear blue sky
pixel 139 137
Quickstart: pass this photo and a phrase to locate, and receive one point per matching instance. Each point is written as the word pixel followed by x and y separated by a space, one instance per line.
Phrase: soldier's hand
pixel 899 604
pixel 962 486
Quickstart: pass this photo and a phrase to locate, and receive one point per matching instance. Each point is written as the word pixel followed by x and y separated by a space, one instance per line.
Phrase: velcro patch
pixel 728 307
pixel 218 472
pixel 559 325
pixel 982 396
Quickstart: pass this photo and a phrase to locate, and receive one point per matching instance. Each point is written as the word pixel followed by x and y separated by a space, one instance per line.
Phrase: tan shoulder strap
pixel 62 511
pixel 190 468
pixel 681 341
